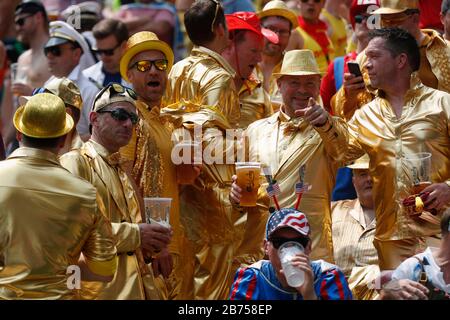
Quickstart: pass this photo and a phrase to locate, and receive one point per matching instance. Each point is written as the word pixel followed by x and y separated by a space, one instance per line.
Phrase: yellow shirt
pixel 424 126
pixel 272 143
pixel 205 78
pixel 47 218
pixel 119 199
pixel 254 102
pixel 339 35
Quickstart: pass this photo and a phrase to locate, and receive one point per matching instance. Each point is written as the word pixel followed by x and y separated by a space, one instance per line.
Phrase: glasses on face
pixel 278 241
pixel 120 114
pixel 146 65
pixel 55 50
pixel 21 21
pixel 315 1
pixel 359 18
pixel 215 15
pixel 106 52
pixel 280 32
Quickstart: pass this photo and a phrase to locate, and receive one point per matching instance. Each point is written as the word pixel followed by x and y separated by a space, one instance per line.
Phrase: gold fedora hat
pixel 279 8
pixel 360 163
pixel 43 116
pixel 396 6
pixel 144 41
pixel 298 63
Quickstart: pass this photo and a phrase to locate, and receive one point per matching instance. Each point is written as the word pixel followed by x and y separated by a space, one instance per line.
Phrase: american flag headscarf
pixel 288 217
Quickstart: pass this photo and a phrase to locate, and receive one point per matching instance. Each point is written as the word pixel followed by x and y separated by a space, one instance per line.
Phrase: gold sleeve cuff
pixel 128 237
pixel 103 268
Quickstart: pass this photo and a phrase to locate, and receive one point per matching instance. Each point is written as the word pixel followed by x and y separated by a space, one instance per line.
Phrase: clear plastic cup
pixel 294 276
pixel 157 210
pixel 418 167
pixel 248 180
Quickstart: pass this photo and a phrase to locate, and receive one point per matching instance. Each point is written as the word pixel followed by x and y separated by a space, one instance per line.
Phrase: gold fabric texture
pixel 48 218
pixel 121 205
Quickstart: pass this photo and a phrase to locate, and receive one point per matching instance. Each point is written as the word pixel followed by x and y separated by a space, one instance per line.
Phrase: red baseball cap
pixel 360 7
pixel 249 21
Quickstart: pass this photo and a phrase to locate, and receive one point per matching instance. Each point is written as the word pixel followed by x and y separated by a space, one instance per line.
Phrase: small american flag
pixel 301 187
pixel 273 189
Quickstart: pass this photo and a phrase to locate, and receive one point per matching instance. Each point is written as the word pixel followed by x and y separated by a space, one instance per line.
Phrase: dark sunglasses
pixel 278 241
pixel 120 114
pixel 21 21
pixel 146 65
pixel 215 14
pixel 106 52
pixel 359 18
pixel 56 51
pixel 315 1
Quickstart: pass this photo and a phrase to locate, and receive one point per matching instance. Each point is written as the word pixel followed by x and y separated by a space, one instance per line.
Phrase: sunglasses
pixel 215 15
pixel 315 1
pixel 56 51
pixel 120 114
pixel 278 241
pixel 106 52
pixel 21 21
pixel 146 65
pixel 359 18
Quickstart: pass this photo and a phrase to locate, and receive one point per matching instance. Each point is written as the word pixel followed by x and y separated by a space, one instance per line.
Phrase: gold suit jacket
pixel 205 78
pixel 254 102
pixel 285 145
pixel 424 126
pixel 48 217
pixel 434 72
pixel 120 203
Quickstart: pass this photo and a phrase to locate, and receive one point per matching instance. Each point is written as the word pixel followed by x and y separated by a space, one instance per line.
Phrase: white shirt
pixel 96 75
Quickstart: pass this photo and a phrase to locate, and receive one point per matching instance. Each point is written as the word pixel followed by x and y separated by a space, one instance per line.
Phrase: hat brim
pixel 298 73
pixel 145 46
pixel 360 166
pixel 18 124
pixel 55 41
pixel 282 13
pixel 270 35
pixel 388 11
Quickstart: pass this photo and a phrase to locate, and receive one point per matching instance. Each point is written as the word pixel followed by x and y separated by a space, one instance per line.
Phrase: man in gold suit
pixel 49 219
pixel 98 161
pixel 243 54
pixel 434 70
pixel 277 17
pixel 68 91
pixel 405 119
pixel 353 231
pixel 145 64
pixel 295 149
pixel 203 97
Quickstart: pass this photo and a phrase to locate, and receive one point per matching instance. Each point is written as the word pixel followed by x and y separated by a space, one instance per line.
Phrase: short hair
pixel 199 18
pixel 39 143
pixel 76 113
pixel 445 223
pixel 445 6
pixel 106 27
pixel 399 41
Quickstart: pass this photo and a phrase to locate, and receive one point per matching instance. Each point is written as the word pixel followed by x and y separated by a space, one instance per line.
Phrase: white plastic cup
pixel 294 276
pixel 157 210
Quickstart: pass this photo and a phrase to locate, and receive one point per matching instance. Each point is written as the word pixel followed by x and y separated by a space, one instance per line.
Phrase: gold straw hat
pixel 396 6
pixel 298 63
pixel 43 116
pixel 144 41
pixel 279 8
pixel 360 163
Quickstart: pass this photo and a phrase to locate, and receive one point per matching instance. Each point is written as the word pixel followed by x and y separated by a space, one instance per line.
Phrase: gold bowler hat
pixel 298 63
pixel 396 6
pixel 144 41
pixel 279 8
pixel 43 116
pixel 360 163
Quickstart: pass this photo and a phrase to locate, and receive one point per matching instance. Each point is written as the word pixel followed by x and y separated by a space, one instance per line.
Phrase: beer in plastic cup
pixel 418 166
pixel 185 170
pixel 157 210
pixel 294 276
pixel 248 180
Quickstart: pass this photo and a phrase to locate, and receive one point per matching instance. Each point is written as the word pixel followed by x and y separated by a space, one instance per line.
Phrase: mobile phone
pixel 354 69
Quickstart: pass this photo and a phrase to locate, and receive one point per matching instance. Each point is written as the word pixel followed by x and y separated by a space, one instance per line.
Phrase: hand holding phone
pixel 353 68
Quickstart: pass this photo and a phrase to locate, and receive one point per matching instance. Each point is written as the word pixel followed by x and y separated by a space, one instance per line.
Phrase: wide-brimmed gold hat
pixel 43 116
pixel 360 163
pixel 279 8
pixel 144 41
pixel 298 63
pixel 396 6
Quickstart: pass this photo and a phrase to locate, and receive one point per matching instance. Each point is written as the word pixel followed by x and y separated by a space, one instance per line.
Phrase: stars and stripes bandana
pixel 287 217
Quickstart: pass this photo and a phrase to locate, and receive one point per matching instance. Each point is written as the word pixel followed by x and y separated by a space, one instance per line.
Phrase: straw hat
pixel 298 63
pixel 43 116
pixel 279 8
pixel 360 163
pixel 396 6
pixel 144 41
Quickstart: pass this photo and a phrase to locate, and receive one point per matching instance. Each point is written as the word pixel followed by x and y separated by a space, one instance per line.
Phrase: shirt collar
pixel 199 50
pixel 26 152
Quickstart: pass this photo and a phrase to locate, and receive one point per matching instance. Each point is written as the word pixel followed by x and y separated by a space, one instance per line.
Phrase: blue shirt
pixel 259 282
